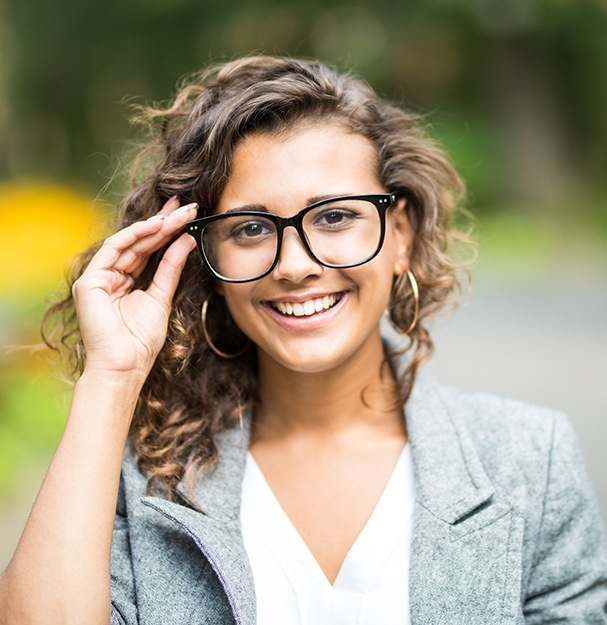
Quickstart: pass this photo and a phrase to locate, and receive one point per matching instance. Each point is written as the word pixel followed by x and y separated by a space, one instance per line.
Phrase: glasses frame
pixel 381 201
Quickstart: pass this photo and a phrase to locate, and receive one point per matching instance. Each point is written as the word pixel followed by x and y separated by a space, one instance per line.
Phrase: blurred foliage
pixel 33 405
pixel 516 89
pixel 42 224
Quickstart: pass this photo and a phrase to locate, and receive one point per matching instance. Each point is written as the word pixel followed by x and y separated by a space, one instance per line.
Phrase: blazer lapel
pixel 465 541
pixel 213 522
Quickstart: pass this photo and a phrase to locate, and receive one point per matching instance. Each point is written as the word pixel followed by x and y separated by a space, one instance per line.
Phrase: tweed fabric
pixel 506 527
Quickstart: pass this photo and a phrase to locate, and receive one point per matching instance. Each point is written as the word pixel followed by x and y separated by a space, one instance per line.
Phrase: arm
pixel 60 572
pixel 568 581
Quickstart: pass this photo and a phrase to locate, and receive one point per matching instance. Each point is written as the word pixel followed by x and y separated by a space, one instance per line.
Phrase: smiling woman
pixel 244 446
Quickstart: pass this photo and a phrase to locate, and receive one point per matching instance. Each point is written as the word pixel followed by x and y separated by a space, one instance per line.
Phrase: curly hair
pixel 192 394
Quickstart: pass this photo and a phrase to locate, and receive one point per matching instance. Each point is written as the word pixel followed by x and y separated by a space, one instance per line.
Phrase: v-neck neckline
pixel 372 546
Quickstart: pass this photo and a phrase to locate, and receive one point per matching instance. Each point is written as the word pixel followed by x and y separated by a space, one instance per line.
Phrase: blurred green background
pixel 516 90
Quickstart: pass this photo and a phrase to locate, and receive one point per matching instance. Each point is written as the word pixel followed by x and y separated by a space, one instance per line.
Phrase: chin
pixel 306 359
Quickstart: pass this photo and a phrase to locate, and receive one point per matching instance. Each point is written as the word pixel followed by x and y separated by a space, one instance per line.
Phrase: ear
pixel 403 236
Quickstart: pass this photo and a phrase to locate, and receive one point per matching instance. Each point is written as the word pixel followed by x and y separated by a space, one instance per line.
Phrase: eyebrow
pixel 262 208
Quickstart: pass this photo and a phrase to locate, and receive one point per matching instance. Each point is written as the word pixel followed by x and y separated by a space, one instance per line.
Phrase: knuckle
pixel 77 287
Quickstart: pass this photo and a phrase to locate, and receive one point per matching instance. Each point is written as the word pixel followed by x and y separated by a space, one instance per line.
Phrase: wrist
pixel 113 380
pixel 115 393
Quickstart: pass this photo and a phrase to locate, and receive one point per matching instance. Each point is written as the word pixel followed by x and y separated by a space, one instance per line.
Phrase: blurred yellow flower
pixel 43 224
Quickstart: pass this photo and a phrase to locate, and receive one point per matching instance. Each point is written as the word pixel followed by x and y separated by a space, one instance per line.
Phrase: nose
pixel 294 262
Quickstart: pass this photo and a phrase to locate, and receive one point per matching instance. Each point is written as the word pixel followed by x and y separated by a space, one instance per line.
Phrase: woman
pixel 284 463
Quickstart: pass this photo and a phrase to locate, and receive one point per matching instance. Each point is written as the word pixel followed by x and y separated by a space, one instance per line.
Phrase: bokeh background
pixel 515 90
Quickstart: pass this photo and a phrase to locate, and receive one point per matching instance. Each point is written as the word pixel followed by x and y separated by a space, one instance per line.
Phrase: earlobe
pixel 403 233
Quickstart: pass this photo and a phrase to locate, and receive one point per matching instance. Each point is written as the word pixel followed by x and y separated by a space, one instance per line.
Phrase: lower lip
pixel 317 320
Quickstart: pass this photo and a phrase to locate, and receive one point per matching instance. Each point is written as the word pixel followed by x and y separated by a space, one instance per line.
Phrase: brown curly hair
pixel 192 394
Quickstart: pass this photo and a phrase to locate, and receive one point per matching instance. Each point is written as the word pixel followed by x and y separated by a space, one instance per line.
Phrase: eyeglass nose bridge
pixel 295 221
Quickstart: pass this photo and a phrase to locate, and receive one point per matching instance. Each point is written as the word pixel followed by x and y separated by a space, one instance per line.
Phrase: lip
pixel 291 322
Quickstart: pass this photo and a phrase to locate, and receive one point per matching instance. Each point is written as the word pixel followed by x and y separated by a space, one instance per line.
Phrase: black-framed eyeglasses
pixel 339 232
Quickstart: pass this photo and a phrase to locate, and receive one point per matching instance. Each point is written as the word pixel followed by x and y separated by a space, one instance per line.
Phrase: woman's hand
pixel 122 329
pixel 63 558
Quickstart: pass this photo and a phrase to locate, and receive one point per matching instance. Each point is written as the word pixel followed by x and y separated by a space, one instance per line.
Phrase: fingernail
pixel 184 209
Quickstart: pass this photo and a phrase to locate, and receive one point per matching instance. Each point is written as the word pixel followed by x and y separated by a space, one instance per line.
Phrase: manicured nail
pixel 184 209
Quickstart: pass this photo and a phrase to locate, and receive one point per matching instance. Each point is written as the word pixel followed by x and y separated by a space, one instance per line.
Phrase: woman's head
pixel 268 95
pixel 191 392
pixel 328 273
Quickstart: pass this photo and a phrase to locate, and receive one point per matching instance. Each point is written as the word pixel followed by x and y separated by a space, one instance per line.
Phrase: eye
pixel 335 217
pixel 249 230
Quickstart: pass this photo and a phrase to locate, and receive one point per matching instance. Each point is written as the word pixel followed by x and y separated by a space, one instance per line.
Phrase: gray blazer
pixel 506 527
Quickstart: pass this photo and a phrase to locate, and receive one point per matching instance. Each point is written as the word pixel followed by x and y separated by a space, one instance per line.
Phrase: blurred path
pixel 542 340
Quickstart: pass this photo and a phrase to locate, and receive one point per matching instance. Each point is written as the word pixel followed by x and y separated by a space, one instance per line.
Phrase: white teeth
pixel 307 308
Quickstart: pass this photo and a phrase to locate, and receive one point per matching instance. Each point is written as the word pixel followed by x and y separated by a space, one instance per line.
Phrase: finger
pixel 134 259
pixel 115 245
pixel 127 251
pixel 169 270
pixel 169 206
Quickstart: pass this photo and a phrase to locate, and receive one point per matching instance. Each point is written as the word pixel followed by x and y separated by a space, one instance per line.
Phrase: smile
pixel 308 308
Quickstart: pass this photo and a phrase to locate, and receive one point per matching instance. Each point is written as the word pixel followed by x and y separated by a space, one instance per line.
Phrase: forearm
pixel 60 570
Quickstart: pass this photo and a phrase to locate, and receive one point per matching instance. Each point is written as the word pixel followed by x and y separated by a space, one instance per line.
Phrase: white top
pixel 373 583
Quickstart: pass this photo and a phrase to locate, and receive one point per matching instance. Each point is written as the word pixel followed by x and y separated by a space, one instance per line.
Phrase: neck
pixel 358 393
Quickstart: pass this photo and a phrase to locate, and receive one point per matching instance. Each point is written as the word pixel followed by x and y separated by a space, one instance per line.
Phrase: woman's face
pixel 283 174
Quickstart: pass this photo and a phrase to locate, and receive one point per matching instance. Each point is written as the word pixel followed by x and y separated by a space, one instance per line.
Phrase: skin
pixel 311 379
pixel 326 455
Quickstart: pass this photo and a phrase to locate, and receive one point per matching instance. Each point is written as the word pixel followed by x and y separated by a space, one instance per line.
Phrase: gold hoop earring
pixel 414 289
pixel 214 348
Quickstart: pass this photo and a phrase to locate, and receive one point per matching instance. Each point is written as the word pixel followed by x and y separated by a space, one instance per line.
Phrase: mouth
pixel 308 307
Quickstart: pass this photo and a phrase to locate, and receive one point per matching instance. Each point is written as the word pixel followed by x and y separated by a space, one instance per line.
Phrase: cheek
pixel 238 299
pixel 375 281
pixel 391 262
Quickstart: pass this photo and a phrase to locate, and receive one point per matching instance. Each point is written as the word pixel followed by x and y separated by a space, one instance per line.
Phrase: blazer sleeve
pixel 568 581
pixel 124 607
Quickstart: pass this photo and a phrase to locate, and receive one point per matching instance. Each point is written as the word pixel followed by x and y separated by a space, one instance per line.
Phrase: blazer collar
pixel 449 478
pixel 217 492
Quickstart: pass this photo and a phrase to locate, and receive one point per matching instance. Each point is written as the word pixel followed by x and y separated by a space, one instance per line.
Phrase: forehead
pixel 285 170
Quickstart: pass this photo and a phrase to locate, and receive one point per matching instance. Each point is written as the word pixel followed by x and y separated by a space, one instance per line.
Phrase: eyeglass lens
pixel 343 233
